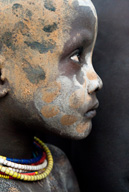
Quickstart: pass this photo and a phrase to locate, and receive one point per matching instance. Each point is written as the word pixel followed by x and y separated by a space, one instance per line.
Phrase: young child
pixel 47 83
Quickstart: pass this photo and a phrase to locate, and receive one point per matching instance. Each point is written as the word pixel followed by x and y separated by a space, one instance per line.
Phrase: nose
pixel 95 83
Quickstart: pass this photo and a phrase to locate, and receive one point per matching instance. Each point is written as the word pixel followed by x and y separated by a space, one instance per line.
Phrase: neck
pixel 15 141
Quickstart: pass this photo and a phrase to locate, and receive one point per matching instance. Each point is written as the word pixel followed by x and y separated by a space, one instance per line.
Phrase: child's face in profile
pixel 48 62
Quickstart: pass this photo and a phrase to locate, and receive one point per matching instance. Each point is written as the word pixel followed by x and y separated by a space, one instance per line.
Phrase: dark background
pixel 101 161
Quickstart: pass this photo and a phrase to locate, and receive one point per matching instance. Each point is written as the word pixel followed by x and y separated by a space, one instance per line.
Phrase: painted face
pixel 48 48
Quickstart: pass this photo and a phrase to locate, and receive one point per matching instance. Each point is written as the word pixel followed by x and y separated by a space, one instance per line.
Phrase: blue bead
pixel 36 156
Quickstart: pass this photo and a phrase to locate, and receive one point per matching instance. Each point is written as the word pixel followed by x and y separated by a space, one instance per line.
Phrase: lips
pixel 91 112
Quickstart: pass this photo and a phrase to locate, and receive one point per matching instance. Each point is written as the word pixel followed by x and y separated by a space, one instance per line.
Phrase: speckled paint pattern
pixel 33 39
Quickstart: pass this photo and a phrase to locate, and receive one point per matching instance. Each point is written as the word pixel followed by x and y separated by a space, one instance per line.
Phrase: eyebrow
pixel 82 38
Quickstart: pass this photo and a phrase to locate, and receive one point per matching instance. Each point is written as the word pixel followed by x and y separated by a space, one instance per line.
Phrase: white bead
pixel 12 164
pixel 16 165
pixel 19 166
pixel 25 167
pixel 9 163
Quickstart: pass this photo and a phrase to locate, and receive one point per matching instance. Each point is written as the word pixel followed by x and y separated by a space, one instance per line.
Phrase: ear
pixel 4 87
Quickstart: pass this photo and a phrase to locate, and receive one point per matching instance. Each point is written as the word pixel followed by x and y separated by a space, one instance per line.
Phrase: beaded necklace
pixel 39 167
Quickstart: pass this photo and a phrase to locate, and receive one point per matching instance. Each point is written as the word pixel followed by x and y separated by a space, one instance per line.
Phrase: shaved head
pixel 46 51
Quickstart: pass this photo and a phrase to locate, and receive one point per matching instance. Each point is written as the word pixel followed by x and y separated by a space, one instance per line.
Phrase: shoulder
pixel 56 152
pixel 9 186
pixel 60 158
pixel 62 168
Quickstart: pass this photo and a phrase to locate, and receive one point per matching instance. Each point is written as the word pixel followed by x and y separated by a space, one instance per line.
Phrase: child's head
pixel 47 77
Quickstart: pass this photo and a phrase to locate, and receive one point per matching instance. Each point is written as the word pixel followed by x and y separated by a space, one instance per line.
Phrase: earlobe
pixel 4 87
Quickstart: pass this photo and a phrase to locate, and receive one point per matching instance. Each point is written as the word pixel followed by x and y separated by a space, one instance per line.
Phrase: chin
pixel 78 133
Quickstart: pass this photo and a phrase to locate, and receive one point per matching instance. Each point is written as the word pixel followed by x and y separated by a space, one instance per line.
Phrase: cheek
pixel 50 93
pixel 49 111
pixel 60 103
pixel 77 99
pixel 59 109
pixel 68 120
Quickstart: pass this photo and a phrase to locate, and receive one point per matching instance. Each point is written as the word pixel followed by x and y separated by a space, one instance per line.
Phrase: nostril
pixel 97 89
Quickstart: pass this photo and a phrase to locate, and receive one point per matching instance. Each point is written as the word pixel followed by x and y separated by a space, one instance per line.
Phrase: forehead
pixel 87 3
pixel 37 25
pixel 42 25
pixel 86 20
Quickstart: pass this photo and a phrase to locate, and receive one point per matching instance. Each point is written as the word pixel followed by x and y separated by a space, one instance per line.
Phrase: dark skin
pixel 46 59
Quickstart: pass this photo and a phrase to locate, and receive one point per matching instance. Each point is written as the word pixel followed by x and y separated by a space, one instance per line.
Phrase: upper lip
pixel 93 107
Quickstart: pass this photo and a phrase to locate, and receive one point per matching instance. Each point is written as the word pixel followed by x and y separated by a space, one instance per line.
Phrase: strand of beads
pixel 34 176
pixel 24 167
pixel 28 161
pixel 4 176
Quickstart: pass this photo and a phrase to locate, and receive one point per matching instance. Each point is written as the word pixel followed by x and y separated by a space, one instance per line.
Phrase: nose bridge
pixel 94 81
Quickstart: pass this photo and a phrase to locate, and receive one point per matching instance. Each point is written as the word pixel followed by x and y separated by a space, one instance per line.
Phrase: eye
pixel 76 56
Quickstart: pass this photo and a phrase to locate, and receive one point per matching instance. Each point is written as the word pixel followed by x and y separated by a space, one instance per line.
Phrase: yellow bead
pixel 49 169
pixel 42 177
pixel 15 175
pixel 45 174
pixel 25 178
pixel 7 171
pixel 32 178
pixel 3 169
pixel 2 157
pixel 18 176
pixel 50 159
pixel 11 173
pixel 28 178
pixel 22 177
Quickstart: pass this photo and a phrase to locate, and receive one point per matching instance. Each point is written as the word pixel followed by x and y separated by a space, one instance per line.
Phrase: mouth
pixel 91 112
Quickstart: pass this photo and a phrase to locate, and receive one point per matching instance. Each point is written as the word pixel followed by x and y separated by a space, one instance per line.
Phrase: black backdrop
pixel 101 161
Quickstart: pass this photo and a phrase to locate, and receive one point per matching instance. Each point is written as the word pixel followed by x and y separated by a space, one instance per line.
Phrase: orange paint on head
pixel 77 99
pixel 81 128
pixel 68 120
pixel 91 76
pixel 51 92
pixel 49 111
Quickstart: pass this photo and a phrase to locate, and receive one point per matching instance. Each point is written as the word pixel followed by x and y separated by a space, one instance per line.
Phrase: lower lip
pixel 90 114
